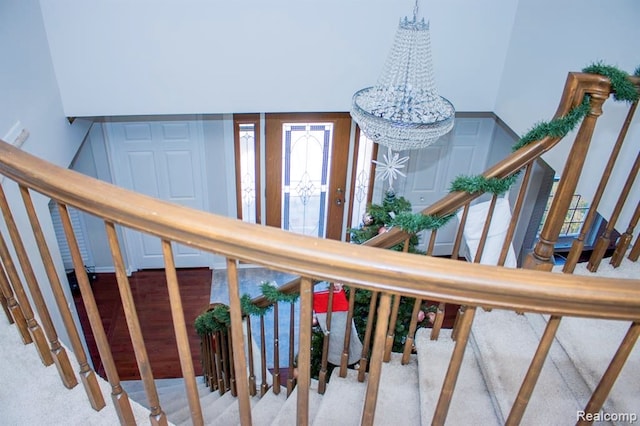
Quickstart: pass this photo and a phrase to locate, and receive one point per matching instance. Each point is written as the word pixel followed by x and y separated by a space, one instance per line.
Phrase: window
pixel 305 166
pixel 247 149
pixel 362 178
pixel 573 221
pixel 306 160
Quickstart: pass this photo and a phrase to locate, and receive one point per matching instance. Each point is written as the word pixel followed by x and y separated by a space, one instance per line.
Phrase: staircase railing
pixel 386 273
pixel 577 86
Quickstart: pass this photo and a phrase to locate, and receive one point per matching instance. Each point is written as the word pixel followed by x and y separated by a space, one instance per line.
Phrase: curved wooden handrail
pixel 361 266
pixel 576 87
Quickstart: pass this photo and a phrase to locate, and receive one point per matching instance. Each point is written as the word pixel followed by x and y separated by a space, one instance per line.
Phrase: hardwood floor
pixel 151 299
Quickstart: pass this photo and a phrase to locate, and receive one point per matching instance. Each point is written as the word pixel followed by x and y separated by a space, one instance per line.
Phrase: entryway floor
pixel 151 299
pixel 198 288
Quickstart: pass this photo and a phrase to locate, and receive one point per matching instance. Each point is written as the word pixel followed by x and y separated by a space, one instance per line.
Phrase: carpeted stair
pixel 433 361
pixel 500 349
pixel 499 352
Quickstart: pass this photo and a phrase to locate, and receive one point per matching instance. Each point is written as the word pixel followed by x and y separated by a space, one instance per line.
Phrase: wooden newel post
pixel 542 256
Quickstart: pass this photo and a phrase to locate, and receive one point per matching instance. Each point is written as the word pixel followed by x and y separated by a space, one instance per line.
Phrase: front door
pixel 306 170
pixel 163 159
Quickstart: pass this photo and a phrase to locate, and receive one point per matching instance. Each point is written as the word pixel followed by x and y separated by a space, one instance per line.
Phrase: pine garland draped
pixel 396 211
pixel 272 294
pixel 214 320
pixel 623 90
pixel 556 128
pixel 414 223
pixel 248 308
pixel 479 183
pixel 219 318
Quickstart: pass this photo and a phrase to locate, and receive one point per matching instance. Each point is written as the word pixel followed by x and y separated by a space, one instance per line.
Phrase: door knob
pixel 339 201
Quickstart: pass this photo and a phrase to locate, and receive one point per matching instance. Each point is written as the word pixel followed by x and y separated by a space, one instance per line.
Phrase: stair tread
pixel 506 344
pixel 175 400
pixel 398 397
pixel 287 414
pixel 212 410
pixel 590 345
pixel 470 398
pixel 171 396
pixel 183 414
pixel 231 415
pixel 343 400
pixel 268 407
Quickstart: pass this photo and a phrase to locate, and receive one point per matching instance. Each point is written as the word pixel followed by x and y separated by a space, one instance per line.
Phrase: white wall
pixel 30 94
pixel 198 56
pixel 551 38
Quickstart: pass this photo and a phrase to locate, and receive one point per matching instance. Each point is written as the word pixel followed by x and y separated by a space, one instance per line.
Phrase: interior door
pixel 306 170
pixel 431 170
pixel 163 159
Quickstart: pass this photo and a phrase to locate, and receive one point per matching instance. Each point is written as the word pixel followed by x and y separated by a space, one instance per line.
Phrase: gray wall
pixel 551 38
pixel 30 95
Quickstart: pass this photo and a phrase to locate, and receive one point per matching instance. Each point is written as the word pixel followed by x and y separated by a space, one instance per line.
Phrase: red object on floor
pixel 321 301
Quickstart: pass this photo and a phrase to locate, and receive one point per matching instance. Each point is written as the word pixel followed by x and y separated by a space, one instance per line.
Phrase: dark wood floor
pixel 151 298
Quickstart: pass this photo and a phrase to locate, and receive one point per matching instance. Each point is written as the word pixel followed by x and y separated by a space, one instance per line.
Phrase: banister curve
pixel 576 87
pixel 366 267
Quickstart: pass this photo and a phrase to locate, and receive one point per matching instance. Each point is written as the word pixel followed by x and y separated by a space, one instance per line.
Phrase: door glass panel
pixel 306 160
pixel 248 172
pixel 362 179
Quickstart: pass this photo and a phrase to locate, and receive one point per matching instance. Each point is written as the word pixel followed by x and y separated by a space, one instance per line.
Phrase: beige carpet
pixel 29 391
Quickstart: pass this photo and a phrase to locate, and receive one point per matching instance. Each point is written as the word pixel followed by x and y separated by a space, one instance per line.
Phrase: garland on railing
pixel 414 223
pixel 396 211
pixel 623 90
pixel 556 128
pixel 212 321
pixel 273 295
pixel 219 318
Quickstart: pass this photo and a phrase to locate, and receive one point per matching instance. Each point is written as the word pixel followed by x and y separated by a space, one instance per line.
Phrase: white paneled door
pixel 163 159
pixel 431 170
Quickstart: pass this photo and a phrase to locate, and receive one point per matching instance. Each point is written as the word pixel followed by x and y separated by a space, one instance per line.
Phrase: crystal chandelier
pixel 404 110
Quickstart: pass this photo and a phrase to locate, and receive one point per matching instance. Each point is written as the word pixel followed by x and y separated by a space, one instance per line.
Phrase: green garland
pixel 623 90
pixel 248 308
pixel 273 295
pixel 219 318
pixel 214 320
pixel 479 183
pixel 556 128
pixel 414 223
pixel 397 211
